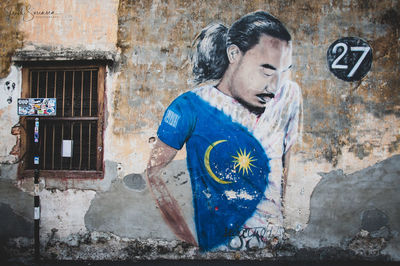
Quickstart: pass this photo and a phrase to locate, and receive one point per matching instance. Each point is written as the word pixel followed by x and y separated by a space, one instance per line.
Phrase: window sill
pixel 60 174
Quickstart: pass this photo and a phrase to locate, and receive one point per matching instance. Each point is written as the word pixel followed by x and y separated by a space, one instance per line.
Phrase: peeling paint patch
pixel 365 245
pixel 141 218
pixel 367 199
pixel 139 213
pixel 64 211
pixel 13 225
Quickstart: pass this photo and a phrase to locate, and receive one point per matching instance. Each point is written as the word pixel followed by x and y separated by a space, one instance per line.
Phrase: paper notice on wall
pixel 66 150
pixel 36 213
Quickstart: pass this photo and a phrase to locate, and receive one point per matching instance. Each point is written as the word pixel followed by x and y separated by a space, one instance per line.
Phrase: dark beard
pixel 253 109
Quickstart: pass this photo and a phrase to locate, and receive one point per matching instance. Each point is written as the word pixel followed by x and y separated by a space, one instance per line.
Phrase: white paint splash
pixel 242 194
pixel 208 195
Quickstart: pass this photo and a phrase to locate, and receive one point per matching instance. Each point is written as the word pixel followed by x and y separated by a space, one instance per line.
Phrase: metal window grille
pixel 77 118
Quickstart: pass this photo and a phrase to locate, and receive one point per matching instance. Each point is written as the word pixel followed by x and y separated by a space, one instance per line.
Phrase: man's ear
pixel 233 53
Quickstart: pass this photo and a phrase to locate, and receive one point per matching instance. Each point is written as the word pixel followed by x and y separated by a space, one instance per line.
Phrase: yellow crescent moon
pixel 207 162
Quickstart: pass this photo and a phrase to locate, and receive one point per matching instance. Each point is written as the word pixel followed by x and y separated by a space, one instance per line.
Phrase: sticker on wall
pixel 349 58
pixel 37 107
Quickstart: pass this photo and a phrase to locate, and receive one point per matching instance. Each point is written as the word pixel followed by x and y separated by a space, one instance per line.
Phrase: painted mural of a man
pixel 238 135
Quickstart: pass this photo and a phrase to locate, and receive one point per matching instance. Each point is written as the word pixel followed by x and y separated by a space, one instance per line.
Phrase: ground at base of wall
pixel 98 248
pixel 198 263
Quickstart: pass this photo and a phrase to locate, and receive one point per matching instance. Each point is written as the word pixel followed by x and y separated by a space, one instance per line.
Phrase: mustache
pixel 268 94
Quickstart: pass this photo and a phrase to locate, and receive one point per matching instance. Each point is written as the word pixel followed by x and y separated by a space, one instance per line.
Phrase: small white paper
pixel 36 213
pixel 66 150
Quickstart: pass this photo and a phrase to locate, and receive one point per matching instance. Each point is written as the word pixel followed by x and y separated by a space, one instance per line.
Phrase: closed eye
pixel 268 70
pixel 267 74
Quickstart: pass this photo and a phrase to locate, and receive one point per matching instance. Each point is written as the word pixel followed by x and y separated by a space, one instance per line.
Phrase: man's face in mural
pixel 259 73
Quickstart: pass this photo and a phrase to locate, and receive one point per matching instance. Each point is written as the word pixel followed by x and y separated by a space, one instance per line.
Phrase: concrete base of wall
pixel 97 246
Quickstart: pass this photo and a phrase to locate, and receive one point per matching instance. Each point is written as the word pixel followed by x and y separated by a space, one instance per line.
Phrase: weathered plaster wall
pixel 77 24
pixel 343 176
pixel 140 219
pixel 10 90
pixel 347 126
pixel 47 30
pixel 366 200
pixel 10 35
pixel 10 83
pixel 15 207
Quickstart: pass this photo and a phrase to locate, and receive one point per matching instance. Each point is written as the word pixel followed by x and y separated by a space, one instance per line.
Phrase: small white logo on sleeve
pixel 171 118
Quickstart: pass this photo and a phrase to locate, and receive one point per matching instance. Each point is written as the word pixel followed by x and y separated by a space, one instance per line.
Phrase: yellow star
pixel 243 161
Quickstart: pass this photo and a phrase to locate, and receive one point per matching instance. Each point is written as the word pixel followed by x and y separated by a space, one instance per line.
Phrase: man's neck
pixel 224 86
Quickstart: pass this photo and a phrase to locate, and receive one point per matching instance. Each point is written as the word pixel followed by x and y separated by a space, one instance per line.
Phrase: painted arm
pixel 160 157
pixel 285 161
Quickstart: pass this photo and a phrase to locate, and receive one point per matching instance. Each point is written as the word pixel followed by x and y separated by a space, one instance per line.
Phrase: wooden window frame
pixel 25 91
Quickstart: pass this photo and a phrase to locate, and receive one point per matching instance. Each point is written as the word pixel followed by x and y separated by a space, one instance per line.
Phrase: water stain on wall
pixel 16 210
pixel 11 13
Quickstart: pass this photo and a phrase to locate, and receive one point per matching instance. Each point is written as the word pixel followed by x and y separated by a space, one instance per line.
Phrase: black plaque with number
pixel 349 58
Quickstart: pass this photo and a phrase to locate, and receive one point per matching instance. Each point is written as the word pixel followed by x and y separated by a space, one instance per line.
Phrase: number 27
pixel 364 49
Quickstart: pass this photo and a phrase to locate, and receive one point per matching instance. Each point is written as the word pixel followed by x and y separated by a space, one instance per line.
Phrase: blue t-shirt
pixel 228 167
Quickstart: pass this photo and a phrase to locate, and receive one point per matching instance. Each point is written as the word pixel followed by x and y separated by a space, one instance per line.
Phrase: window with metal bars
pixel 79 120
